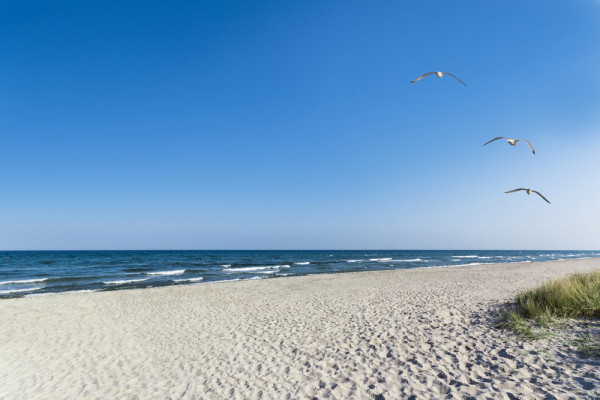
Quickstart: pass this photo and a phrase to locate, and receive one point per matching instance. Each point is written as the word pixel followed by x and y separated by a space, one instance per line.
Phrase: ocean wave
pixel 226 280
pixel 24 281
pixel 8 291
pixel 189 280
pixel 456 265
pixel 475 263
pixel 409 260
pixel 124 282
pixel 254 278
pixel 55 293
pixel 465 256
pixel 380 259
pixel 226 265
pixel 174 272
pixel 464 265
pixel 302 263
pixel 353 261
pixel 246 269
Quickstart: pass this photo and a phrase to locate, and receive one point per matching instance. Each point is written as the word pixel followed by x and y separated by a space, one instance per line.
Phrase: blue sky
pixel 291 125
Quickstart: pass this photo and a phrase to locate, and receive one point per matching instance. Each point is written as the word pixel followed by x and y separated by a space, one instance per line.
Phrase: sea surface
pixel 40 273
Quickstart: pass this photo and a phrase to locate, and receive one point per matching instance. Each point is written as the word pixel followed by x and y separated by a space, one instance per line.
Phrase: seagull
pixel 529 192
pixel 512 142
pixel 439 75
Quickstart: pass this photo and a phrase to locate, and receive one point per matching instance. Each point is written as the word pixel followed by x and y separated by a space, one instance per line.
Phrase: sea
pixel 43 273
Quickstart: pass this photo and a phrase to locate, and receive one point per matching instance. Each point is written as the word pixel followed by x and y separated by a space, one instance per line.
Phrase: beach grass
pixel 588 344
pixel 514 320
pixel 572 297
pixel 539 310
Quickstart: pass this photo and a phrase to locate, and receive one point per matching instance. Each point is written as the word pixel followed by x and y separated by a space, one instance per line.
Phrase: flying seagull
pixel 512 142
pixel 439 75
pixel 529 192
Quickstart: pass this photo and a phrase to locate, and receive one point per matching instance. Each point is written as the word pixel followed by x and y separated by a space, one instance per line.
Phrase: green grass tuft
pixel 571 297
pixel 577 296
pixel 588 344
pixel 514 321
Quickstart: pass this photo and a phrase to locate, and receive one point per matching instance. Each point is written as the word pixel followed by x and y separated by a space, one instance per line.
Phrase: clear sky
pixel 292 125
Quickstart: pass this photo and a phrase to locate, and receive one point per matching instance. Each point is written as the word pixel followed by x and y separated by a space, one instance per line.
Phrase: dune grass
pixel 571 297
pixel 588 344
pixel 513 320
pixel 577 296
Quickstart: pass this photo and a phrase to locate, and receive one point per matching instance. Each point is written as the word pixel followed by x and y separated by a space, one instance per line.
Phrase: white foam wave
pixel 24 281
pixel 56 293
pixel 226 265
pixel 250 269
pixel 354 260
pixel 247 269
pixel 409 260
pixel 124 282
pixel 464 265
pixel 254 278
pixel 175 272
pixel 189 280
pixel 380 259
pixel 456 265
pixel 227 280
pixel 302 263
pixel 20 290
pixel 267 272
pixel 478 257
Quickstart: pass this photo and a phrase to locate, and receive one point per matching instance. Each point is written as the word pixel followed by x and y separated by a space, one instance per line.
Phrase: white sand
pixel 419 334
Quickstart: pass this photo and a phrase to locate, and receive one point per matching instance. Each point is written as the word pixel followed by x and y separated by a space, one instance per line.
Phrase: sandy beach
pixel 402 334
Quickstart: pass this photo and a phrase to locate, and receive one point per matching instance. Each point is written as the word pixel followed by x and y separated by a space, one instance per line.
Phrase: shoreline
pixel 425 332
pixel 291 275
pixel 33 274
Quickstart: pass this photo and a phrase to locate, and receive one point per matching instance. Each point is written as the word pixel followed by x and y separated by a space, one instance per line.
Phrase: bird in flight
pixel 529 192
pixel 512 142
pixel 439 75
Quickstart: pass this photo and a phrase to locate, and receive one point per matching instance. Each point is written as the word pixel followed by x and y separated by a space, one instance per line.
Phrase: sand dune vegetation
pixel 575 296
pixel 550 310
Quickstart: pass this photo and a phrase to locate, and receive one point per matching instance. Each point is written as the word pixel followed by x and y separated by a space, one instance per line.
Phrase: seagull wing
pixel 499 137
pixel 516 190
pixel 530 146
pixel 448 73
pixel 535 191
pixel 422 76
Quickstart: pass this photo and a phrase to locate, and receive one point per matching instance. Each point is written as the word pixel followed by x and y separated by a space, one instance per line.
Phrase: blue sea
pixel 40 273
